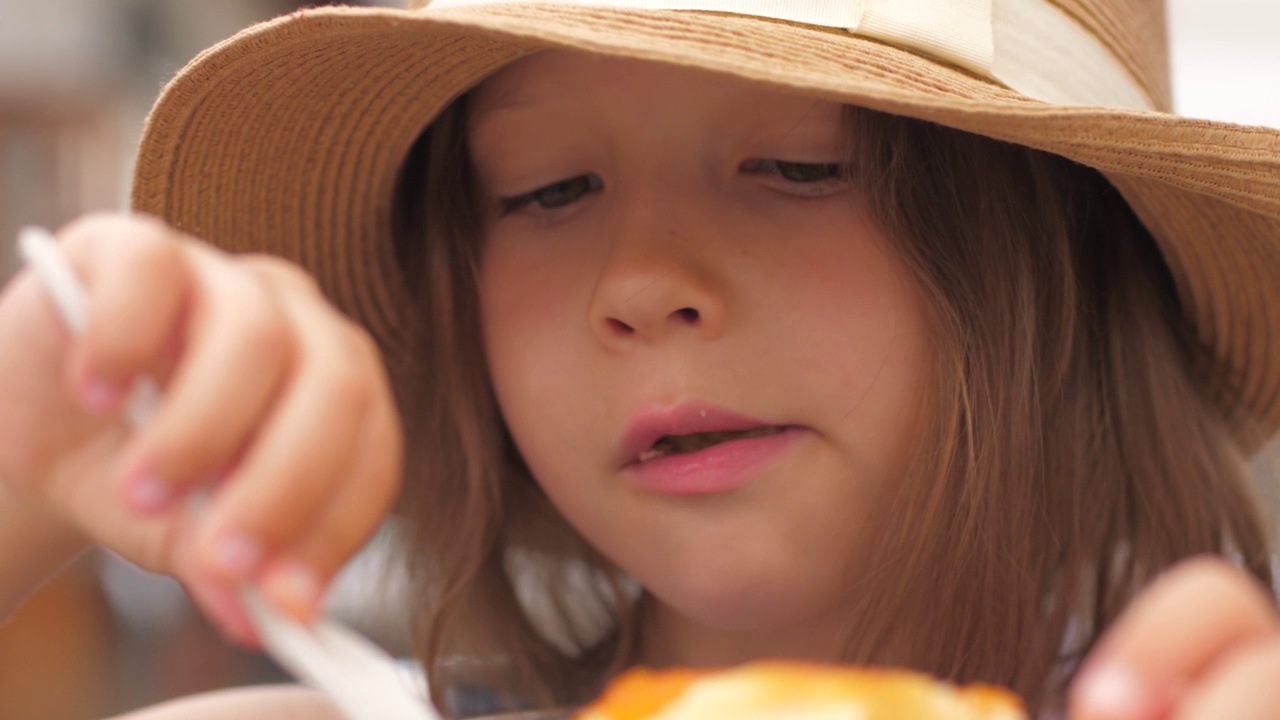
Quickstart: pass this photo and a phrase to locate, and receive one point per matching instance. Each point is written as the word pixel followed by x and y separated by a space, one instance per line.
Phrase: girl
pixel 716 332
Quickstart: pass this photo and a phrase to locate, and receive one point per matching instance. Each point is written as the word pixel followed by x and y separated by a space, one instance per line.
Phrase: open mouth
pixel 693 442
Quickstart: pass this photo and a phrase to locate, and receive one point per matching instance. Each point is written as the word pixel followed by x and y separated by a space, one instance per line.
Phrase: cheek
pixel 861 327
pixel 525 308
pixel 534 287
pixel 530 314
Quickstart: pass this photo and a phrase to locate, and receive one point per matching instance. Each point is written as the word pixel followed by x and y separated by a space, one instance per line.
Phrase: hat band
pixel 1031 46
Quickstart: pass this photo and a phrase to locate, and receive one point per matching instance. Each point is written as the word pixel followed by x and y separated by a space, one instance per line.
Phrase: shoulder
pixel 267 702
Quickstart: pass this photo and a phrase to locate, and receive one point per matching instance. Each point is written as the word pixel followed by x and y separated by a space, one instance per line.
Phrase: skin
pixel 694 273
pixel 269 392
pixel 1202 643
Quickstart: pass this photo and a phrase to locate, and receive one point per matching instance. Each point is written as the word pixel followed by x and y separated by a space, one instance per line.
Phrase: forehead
pixel 564 78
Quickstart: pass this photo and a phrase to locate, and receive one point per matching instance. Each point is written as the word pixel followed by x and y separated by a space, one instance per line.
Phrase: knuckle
pixel 367 354
pixel 331 541
pixel 1262 656
pixel 363 347
pixel 395 441
pixel 379 486
pixel 114 353
pixel 157 253
pixel 79 237
pixel 118 228
pixel 1206 566
pixel 179 453
pixel 381 480
pixel 280 273
pixel 270 523
pixel 349 388
pixel 1214 582
pixel 348 380
pixel 268 514
pixel 1216 575
pixel 1239 685
pixel 265 331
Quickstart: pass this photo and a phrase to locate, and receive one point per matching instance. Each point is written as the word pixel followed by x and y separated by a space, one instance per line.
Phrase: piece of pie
pixel 796 691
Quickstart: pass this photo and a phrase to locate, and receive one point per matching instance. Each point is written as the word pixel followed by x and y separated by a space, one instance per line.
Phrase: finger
pixel 218 600
pixel 239 349
pixel 297 580
pixel 296 461
pixel 1243 686
pixel 34 346
pixel 1187 619
pixel 138 284
pixel 282 274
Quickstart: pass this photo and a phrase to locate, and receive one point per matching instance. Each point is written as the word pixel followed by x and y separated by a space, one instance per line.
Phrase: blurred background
pixel 76 79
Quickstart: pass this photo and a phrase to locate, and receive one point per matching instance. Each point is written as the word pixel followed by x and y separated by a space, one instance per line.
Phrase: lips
pixel 685 427
pixel 682 444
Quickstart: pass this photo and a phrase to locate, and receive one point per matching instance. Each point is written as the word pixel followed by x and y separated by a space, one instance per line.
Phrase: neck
pixel 671 639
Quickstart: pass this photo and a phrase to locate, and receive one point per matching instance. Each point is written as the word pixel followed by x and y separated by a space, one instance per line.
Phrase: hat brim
pixel 288 139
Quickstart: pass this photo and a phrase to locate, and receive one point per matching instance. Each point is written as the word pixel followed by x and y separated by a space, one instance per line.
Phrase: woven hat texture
pixel 288 139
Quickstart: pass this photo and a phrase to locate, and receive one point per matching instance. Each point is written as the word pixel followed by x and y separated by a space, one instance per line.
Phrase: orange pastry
pixel 796 691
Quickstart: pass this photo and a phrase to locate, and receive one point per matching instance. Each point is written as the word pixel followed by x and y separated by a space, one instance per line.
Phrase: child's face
pixel 643 251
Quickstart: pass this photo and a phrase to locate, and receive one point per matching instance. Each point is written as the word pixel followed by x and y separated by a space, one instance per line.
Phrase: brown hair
pixel 1069 451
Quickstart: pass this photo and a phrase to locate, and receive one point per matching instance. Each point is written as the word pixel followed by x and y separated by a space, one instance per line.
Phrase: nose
pixel 656 284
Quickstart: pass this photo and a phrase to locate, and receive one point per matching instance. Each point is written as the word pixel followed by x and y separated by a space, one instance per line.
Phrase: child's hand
pixel 269 393
pixel 1203 643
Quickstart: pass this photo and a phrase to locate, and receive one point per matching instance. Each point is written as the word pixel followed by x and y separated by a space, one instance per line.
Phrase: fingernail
pixel 237 555
pixel 1110 691
pixel 149 494
pixel 100 396
pixel 294 588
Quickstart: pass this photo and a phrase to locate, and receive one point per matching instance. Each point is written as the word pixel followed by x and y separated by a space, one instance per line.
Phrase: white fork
pixel 362 680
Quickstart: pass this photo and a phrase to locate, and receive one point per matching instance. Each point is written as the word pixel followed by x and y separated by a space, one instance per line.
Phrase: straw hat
pixel 287 138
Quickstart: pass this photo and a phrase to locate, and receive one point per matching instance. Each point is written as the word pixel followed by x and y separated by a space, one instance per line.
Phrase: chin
pixel 746 602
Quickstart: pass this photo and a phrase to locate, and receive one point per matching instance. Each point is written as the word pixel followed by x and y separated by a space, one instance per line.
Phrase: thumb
pixel 1169 637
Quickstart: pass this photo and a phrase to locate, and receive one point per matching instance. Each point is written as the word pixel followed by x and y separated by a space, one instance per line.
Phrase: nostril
pixel 688 314
pixel 619 327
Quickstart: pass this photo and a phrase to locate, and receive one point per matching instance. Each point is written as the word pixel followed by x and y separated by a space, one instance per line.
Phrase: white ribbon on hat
pixel 1031 46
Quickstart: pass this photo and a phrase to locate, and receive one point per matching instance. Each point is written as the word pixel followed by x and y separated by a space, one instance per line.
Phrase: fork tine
pixel 358 676
pixel 377 670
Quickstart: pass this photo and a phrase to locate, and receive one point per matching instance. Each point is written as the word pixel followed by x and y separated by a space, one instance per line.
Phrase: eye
pixel 556 195
pixel 809 179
